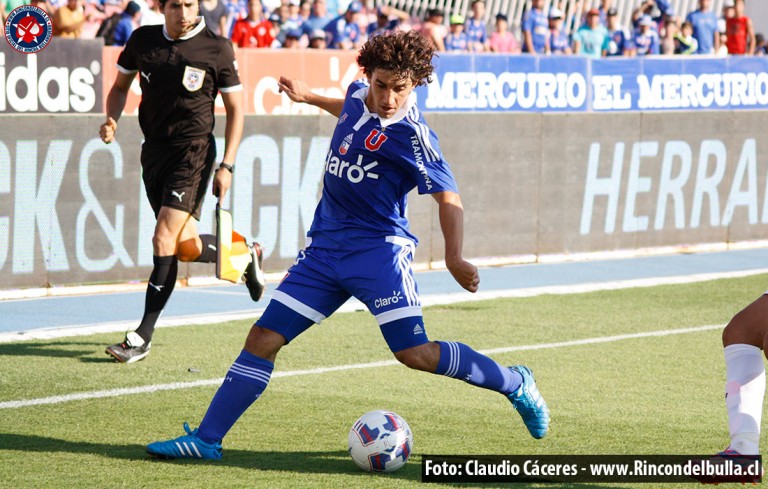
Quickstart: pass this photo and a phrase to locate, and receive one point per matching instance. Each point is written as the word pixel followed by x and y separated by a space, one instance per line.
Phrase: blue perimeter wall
pixel 576 84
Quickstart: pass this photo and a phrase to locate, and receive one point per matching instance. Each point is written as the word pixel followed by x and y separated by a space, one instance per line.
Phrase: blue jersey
pixel 646 44
pixel 456 42
pixel 619 43
pixel 535 22
pixel 339 30
pixel 314 23
pixel 476 31
pixel 704 29
pixel 558 41
pixel 374 29
pixel 371 166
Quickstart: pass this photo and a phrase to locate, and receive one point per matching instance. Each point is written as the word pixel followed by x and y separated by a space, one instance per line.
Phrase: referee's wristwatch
pixel 227 167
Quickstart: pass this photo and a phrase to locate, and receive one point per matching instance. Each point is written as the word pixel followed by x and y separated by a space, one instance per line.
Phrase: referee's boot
pixel 132 349
pixel 528 402
pixel 254 273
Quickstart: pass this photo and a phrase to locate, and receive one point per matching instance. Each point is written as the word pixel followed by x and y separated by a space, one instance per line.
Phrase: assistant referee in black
pixel 182 66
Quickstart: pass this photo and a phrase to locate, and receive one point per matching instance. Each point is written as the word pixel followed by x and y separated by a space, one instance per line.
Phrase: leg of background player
pixel 743 338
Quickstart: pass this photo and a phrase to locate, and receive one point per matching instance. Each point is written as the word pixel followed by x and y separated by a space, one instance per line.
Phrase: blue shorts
pixel 321 280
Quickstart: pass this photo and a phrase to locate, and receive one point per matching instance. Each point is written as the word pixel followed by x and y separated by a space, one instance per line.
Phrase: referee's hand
pixel 107 130
pixel 222 181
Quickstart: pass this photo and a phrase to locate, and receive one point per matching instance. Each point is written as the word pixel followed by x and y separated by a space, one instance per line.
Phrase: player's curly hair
pixel 405 54
pixel 163 2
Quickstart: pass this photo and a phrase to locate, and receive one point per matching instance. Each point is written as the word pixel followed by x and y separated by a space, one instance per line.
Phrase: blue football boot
pixel 528 402
pixel 187 446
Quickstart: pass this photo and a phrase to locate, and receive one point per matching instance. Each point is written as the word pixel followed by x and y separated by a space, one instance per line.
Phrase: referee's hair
pixel 406 54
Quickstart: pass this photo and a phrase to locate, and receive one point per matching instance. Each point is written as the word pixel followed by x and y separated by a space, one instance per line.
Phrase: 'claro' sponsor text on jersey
pixel 65 77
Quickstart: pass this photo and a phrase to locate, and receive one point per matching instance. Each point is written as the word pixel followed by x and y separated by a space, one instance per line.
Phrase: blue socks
pixel 249 375
pixel 246 380
pixel 459 361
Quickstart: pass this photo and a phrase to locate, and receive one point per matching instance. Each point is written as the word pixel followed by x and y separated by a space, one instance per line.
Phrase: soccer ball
pixel 380 441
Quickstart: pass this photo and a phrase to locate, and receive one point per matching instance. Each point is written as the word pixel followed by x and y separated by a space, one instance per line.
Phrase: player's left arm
pixel 451 213
pixel 233 133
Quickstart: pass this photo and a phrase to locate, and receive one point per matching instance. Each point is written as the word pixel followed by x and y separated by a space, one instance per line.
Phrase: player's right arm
pixel 116 99
pixel 298 91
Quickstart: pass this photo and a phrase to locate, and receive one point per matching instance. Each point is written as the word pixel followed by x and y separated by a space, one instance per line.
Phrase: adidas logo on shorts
pixel 418 329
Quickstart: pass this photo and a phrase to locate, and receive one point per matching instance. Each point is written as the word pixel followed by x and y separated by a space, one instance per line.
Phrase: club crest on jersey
pixel 345 145
pixel 374 140
pixel 193 78
pixel 28 29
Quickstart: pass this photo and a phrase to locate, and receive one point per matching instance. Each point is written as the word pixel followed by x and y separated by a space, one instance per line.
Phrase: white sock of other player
pixel 744 392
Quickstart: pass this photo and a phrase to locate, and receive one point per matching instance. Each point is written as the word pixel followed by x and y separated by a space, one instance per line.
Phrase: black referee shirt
pixel 179 79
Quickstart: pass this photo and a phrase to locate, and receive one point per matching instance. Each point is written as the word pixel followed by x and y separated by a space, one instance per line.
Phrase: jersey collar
pixel 189 35
pixel 367 114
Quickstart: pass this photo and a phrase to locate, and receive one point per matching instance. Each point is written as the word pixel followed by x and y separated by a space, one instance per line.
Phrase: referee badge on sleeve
pixel 193 78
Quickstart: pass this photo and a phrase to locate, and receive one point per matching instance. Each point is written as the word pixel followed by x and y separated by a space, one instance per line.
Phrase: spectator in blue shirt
pixel 475 27
pixel 536 29
pixel 646 39
pixel 655 9
pixel 620 42
pixel 604 8
pixel 317 39
pixel 126 23
pixel 318 19
pixel 236 10
pixel 344 31
pixel 457 40
pixel 704 23
pixel 388 19
pixel 558 39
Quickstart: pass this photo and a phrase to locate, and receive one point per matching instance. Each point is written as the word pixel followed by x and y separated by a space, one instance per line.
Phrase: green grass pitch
pixel 639 395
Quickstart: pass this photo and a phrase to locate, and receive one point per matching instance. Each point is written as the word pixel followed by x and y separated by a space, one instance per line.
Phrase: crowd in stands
pixel 595 31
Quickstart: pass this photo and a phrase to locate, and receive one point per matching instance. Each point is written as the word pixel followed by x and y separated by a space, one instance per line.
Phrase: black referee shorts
pixel 176 174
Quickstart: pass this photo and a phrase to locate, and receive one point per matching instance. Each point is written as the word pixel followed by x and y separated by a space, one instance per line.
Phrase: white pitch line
pixel 148 389
pixel 355 305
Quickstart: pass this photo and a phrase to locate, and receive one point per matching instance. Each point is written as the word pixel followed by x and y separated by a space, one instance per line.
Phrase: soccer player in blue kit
pixel 359 245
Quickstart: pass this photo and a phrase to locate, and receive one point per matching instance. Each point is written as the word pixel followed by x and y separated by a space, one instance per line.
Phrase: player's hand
pixel 297 90
pixel 107 130
pixel 222 180
pixel 465 274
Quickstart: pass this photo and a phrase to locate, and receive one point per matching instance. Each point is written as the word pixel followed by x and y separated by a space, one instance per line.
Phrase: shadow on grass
pixel 84 351
pixel 321 462
pixel 318 462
